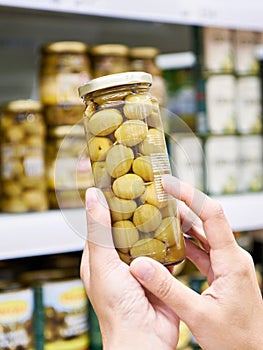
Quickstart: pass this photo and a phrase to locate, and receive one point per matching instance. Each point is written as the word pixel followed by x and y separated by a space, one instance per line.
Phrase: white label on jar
pixel 68 84
pixel 72 173
pixel 220 103
pixel 67 300
pixel 34 166
pixel 250 163
pixel 186 154
pixel 218 49
pixel 221 157
pixel 248 104
pixel 160 165
pixel 245 59
pixel 16 313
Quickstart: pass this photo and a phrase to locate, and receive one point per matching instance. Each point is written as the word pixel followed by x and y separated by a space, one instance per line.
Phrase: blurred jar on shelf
pixel 143 58
pixel 22 145
pixel 68 166
pixel 64 66
pixel 109 59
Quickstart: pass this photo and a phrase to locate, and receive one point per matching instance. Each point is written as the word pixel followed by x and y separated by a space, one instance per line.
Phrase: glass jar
pixel 68 166
pixel 143 59
pixel 64 66
pixel 109 59
pixel 128 154
pixel 22 146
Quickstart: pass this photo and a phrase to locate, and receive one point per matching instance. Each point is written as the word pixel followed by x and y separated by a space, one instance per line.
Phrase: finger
pixel 216 227
pixel 158 280
pixel 192 225
pixel 84 267
pixel 100 244
pixel 199 257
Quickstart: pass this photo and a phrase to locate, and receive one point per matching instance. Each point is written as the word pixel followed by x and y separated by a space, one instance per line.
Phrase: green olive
pixel 104 122
pixel 128 186
pixel 101 177
pixel 119 160
pixel 150 247
pixel 125 235
pixel 147 218
pixel 142 166
pixel 150 196
pixel 98 148
pixel 169 231
pixel 137 106
pixel 131 132
pixel 120 209
pixel 153 143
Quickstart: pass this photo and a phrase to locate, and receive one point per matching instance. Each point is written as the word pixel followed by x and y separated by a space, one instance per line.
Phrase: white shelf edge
pixel 58 231
pixel 191 12
pixel 243 211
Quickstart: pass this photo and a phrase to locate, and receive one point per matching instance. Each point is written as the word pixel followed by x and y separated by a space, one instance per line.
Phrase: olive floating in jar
pixel 98 148
pixel 119 160
pixel 124 234
pixel 142 166
pixel 128 186
pixel 150 247
pixel 131 132
pixel 147 218
pixel 104 122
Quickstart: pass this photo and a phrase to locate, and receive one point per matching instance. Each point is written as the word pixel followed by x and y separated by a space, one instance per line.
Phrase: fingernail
pixel 167 179
pixel 91 198
pixel 142 269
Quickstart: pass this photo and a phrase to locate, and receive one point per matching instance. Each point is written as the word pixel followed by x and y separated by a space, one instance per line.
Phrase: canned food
pixel 22 157
pixel 16 317
pixel 109 59
pixel 61 310
pixel 64 66
pixel 128 154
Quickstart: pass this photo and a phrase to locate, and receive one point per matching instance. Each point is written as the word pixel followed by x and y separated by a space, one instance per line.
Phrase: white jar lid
pixel 127 78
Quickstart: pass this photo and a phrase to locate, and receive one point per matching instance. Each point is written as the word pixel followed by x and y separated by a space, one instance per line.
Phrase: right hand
pixel 228 315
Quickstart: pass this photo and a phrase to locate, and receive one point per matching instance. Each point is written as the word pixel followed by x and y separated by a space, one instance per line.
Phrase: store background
pixel 37 240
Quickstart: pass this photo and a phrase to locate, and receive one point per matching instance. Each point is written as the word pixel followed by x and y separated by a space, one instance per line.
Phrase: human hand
pixel 229 313
pixel 129 317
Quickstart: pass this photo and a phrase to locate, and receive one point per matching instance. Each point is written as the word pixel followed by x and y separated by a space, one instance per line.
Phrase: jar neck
pixel 112 93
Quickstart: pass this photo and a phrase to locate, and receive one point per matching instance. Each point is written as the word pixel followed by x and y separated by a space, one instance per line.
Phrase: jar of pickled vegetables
pixel 109 59
pixel 128 153
pixel 64 66
pixel 68 166
pixel 22 145
pixel 143 58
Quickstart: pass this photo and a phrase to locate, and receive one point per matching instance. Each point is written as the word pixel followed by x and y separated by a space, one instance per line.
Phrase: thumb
pixel 159 281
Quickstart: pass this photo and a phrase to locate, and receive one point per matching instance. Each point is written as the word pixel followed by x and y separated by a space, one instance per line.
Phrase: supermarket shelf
pixel 42 233
pixel 58 231
pixel 231 14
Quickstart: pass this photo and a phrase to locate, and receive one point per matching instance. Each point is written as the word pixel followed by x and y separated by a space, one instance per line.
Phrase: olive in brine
pixel 101 177
pixel 142 166
pixel 124 235
pixel 147 218
pixel 153 143
pixel 150 247
pixel 150 196
pixel 119 160
pixel 169 231
pixel 98 148
pixel 131 132
pixel 121 209
pixel 104 122
pixel 137 106
pixel 128 186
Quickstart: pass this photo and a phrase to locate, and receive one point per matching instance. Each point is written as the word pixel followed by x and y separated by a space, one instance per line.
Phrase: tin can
pixel 128 154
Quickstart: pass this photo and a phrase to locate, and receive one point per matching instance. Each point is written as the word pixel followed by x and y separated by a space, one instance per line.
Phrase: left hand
pixel 130 317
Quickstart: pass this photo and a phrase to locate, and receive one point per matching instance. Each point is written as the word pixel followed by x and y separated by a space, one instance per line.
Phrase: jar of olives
pixel 128 153
pixel 22 146
pixel 68 166
pixel 109 59
pixel 64 66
